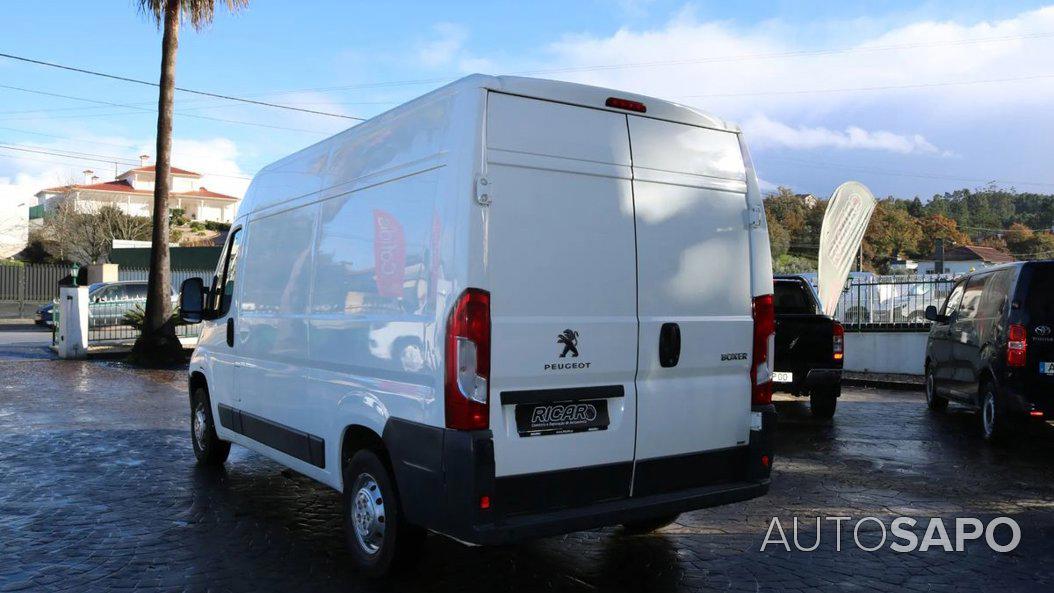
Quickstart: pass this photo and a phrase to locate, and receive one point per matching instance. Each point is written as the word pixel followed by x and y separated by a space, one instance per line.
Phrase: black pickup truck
pixel 809 346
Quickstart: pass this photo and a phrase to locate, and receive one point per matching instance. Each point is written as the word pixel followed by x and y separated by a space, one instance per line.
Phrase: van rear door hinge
pixel 757 216
pixel 484 191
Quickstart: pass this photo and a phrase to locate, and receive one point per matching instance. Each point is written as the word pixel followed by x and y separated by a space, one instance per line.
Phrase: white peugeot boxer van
pixel 508 309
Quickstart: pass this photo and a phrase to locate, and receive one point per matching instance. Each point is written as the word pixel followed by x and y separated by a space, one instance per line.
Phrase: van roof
pixel 536 88
pixel 593 96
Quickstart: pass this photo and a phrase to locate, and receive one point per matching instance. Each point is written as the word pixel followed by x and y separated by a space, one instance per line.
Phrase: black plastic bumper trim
pixel 570 394
pixel 295 443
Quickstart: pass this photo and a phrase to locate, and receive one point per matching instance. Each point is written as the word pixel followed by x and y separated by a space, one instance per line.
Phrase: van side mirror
pixel 932 315
pixel 192 300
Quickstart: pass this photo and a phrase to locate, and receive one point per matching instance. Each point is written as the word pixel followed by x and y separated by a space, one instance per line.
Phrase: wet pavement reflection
pixel 99 491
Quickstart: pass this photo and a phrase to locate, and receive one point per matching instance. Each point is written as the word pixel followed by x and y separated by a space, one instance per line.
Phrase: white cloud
pixel 737 72
pixel 216 159
pixel 445 47
pixel 764 132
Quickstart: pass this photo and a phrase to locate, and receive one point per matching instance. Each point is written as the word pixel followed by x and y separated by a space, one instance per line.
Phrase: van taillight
pixel 467 380
pixel 764 350
pixel 1016 345
pixel 839 341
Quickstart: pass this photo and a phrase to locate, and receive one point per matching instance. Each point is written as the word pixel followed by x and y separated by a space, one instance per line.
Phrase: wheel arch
pixel 357 437
pixel 197 380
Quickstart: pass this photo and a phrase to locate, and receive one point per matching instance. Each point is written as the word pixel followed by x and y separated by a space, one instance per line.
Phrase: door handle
pixel 230 332
pixel 669 345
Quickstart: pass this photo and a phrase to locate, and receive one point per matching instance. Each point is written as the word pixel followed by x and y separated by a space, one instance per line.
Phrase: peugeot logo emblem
pixel 1042 330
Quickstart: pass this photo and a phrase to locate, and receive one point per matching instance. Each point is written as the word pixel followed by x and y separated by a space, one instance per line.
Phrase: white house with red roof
pixel 133 192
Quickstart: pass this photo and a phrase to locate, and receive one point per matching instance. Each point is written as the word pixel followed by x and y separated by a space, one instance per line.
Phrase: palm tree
pixel 158 342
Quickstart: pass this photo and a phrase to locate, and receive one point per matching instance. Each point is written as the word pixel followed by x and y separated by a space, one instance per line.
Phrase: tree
pixel 77 233
pixel 157 342
pixel 892 231
pixel 936 226
pixel 779 239
pixel 1018 238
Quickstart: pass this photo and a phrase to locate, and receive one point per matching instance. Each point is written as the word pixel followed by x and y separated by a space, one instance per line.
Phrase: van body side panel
pixel 271 333
pixel 693 267
pixel 561 271
pixel 373 315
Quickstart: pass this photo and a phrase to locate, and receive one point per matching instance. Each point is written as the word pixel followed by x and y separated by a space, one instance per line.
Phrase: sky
pixel 912 99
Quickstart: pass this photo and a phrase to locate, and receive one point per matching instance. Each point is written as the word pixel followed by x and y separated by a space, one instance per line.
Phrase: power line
pixel 903 173
pixel 181 89
pixel 88 156
pixel 706 60
pixel 135 108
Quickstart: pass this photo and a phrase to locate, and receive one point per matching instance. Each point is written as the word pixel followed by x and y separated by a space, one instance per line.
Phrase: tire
pixel 648 525
pixel 208 448
pixel 379 540
pixel 995 420
pixel 934 401
pixel 823 401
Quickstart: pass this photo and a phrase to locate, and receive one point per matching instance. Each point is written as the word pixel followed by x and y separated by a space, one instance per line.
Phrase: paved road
pixel 24 341
pixel 98 491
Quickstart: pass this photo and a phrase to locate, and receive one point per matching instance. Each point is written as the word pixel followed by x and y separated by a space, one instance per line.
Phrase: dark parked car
pixel 991 346
pixel 46 313
pixel 110 301
pixel 809 346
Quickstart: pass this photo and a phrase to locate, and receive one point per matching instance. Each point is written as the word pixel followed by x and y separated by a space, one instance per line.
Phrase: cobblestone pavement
pixel 99 492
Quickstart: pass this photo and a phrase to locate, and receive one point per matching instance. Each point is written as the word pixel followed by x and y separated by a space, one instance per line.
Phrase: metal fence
pixel 119 321
pixel 896 303
pixel 31 282
pixel 178 276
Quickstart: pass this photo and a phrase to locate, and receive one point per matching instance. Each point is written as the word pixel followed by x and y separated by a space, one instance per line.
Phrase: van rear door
pixel 693 277
pixel 560 264
pixel 1038 289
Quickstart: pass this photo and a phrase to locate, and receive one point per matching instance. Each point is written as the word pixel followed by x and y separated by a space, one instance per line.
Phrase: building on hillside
pixel 964 259
pixel 809 200
pixel 133 192
pixel 14 228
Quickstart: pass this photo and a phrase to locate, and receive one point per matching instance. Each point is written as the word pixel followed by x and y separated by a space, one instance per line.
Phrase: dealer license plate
pixel 783 377
pixel 561 418
pixel 1046 368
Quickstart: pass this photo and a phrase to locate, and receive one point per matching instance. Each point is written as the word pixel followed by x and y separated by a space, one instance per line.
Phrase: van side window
pixel 996 294
pixel 223 281
pixel 952 304
pixel 971 304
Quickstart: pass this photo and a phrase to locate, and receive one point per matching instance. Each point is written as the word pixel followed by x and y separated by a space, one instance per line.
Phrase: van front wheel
pixel 208 448
pixel 648 525
pixel 377 537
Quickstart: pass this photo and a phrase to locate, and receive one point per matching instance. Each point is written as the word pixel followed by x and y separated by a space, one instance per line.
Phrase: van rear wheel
pixel 379 540
pixel 648 525
pixel 995 423
pixel 208 448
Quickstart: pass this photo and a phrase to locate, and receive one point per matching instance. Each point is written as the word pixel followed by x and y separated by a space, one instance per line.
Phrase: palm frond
pixel 198 12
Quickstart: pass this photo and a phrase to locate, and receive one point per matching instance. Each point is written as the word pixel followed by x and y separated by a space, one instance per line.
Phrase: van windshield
pixel 1040 299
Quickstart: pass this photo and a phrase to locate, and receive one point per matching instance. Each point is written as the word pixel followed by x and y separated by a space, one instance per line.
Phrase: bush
pixel 197 226
pixel 212 225
pixel 136 316
pixel 177 216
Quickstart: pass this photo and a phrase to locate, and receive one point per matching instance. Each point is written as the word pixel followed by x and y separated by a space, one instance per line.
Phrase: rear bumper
pixel 1024 400
pixel 809 378
pixel 443 475
pixel 519 528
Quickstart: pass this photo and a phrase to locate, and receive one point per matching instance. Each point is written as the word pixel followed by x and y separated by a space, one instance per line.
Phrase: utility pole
pixel 938 256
